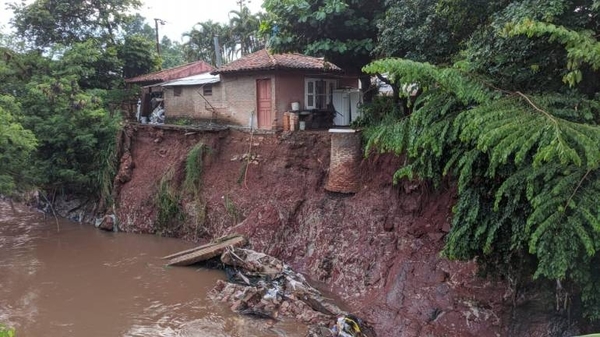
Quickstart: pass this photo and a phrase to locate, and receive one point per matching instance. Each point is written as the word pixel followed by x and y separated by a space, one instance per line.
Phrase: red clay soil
pixel 377 250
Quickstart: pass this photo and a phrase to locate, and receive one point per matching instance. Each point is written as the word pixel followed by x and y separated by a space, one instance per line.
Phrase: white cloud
pixel 180 15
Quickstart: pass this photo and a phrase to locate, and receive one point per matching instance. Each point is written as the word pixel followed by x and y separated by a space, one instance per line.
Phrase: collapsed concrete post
pixel 345 159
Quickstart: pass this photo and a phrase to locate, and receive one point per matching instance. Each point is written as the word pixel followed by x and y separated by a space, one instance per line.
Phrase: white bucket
pixel 302 125
pixel 295 106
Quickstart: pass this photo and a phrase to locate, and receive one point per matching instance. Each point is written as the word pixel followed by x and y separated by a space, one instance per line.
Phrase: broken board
pixel 204 252
pixel 215 241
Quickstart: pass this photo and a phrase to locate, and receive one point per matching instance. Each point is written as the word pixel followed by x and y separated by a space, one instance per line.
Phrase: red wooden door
pixel 264 109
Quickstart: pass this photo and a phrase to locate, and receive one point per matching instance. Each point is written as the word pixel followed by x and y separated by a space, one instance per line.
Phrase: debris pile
pixel 263 286
pixel 158 115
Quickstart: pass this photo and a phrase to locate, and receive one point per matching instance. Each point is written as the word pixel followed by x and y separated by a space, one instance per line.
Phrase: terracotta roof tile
pixel 185 70
pixel 263 60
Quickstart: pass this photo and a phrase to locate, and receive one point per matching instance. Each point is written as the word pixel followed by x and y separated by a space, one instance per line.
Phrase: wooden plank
pixel 187 251
pixel 191 250
pixel 212 250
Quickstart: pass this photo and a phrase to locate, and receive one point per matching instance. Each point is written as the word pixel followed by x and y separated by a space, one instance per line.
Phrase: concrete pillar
pixel 346 155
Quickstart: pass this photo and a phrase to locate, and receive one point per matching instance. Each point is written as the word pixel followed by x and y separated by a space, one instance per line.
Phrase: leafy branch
pixel 582 46
pixel 526 168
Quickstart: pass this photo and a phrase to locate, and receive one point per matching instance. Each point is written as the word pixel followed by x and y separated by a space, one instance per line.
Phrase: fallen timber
pixel 265 287
pixel 205 252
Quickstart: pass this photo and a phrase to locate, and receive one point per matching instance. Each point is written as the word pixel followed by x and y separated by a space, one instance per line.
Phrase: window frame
pixel 207 90
pixel 312 98
pixel 177 91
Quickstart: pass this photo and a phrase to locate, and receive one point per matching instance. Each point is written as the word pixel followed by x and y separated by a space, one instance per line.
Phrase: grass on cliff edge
pixel 7 332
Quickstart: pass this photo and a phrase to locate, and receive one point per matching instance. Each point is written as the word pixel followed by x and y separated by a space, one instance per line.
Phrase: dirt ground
pixel 376 250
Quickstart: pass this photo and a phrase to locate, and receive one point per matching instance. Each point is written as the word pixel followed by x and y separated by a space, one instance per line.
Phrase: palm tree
pixel 244 28
pixel 200 41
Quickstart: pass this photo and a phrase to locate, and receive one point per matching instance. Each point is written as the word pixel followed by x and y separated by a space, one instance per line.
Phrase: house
pixel 256 90
pixel 152 93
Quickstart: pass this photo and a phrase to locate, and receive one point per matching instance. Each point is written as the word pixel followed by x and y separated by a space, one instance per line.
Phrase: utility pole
pixel 242 3
pixel 156 21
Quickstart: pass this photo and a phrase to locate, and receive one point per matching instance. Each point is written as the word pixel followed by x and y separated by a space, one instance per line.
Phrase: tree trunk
pixel 368 91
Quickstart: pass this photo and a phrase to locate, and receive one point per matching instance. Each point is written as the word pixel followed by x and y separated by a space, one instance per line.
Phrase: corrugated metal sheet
pixel 205 78
pixel 194 68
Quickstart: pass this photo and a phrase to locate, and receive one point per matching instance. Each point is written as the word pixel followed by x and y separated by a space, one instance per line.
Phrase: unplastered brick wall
pixel 240 95
pixel 345 160
pixel 190 103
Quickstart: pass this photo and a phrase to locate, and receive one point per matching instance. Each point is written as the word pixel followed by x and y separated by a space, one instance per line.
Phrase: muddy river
pixel 76 280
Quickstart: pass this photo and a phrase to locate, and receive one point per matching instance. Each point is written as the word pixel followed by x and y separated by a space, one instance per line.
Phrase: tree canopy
pixel 16 145
pixel 47 22
pixel 429 30
pixel 63 71
pixel 344 32
pixel 512 115
pixel 237 38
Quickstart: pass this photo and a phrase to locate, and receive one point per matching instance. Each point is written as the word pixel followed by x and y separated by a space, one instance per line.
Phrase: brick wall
pixel 190 104
pixel 290 88
pixel 345 159
pixel 240 97
pixel 234 98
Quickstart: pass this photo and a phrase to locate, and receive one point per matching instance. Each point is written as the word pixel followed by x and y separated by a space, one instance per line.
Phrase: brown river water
pixel 76 280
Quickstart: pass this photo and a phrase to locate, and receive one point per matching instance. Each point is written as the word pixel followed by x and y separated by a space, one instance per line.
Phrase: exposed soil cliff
pixel 378 249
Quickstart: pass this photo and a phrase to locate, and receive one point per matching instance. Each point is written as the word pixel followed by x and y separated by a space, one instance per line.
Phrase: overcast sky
pixel 180 15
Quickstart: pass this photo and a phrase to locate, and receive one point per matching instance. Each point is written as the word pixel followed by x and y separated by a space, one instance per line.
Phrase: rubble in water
pixel 265 287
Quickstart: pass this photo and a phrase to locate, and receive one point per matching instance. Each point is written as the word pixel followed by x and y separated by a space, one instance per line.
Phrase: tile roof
pixel 264 60
pixel 185 70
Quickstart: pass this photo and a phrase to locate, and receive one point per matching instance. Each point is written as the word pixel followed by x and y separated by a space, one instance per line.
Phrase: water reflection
pixel 83 282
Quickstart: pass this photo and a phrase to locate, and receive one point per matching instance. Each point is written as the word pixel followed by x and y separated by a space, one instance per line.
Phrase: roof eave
pixel 257 70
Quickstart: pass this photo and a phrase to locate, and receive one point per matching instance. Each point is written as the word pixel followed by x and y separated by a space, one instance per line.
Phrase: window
pixel 207 90
pixel 318 93
pixel 177 91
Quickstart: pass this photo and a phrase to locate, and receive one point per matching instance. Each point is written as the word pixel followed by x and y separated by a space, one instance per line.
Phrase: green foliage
pixel 91 65
pixel 138 56
pixel 193 169
pixel 62 99
pixel 137 25
pixel 243 171
pixel 582 46
pixel 170 215
pixel 243 31
pixel 48 22
pixel 231 209
pixel 527 168
pixel 341 31
pixel 99 38
pixel 65 69
pixel 181 121
pixel 170 211
pixel 382 107
pixel 107 163
pixel 200 42
pixel 237 38
pixel 517 62
pixel 171 53
pixel 7 332
pixel 432 30
pixel 16 145
pixel 75 130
